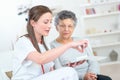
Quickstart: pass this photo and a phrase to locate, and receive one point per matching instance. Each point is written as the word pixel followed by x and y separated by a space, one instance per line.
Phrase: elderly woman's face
pixel 65 28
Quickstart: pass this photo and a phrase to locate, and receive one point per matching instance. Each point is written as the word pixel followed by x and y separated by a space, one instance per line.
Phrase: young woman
pixel 32 59
pixel 65 22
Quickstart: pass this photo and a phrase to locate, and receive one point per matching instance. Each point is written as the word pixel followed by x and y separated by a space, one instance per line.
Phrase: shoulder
pixel 54 44
pixel 23 42
pixel 23 39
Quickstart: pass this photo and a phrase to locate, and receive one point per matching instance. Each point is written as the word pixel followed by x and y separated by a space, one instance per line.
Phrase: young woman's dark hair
pixel 34 14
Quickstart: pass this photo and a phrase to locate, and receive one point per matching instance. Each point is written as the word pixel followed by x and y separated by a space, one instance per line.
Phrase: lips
pixel 66 33
pixel 47 31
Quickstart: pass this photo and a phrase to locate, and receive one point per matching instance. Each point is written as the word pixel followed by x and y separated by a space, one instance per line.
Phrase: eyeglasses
pixel 65 26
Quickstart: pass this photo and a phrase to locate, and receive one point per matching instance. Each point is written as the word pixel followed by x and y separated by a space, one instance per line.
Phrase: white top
pixel 25 69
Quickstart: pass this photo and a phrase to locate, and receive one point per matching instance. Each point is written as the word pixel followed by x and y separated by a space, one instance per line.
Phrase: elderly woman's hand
pixel 90 76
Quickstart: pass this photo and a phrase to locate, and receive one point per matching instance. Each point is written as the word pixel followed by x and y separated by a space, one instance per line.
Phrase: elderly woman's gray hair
pixel 65 14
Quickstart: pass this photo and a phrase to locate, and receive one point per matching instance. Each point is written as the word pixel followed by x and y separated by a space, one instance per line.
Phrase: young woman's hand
pixel 80 45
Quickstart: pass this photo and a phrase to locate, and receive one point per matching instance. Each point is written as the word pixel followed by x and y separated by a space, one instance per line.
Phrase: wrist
pixel 70 45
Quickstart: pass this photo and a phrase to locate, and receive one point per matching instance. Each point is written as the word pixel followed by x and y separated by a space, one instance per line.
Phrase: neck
pixel 38 38
pixel 64 40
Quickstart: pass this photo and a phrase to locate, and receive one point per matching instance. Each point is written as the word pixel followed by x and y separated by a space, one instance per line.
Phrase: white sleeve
pixel 93 64
pixel 22 48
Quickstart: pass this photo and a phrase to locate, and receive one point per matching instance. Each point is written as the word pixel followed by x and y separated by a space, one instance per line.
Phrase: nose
pixel 49 25
pixel 66 28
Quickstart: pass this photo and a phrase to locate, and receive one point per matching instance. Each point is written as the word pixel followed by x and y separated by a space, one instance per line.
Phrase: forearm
pixel 55 53
pixel 50 55
pixel 94 67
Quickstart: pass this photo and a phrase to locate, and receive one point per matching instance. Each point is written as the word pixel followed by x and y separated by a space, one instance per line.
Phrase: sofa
pixel 6 65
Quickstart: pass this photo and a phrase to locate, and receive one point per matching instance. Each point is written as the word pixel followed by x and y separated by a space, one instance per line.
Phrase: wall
pixel 10 24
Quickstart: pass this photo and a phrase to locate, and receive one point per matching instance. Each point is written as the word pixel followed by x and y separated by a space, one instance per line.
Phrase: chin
pixel 66 36
pixel 45 35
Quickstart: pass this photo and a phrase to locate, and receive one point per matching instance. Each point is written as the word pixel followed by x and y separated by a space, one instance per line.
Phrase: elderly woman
pixel 65 22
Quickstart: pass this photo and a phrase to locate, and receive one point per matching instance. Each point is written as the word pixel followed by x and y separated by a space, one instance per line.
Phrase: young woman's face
pixel 65 28
pixel 43 25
